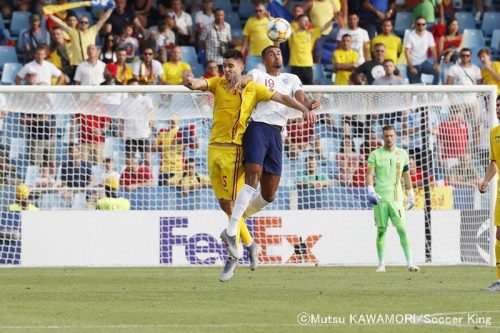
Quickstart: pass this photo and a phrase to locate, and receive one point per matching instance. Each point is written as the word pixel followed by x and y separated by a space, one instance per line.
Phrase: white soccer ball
pixel 278 30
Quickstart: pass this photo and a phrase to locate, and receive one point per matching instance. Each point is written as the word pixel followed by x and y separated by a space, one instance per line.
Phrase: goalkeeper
pixel 490 173
pixel 388 164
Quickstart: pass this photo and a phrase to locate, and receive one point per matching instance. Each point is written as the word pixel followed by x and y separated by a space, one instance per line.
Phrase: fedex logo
pixel 205 249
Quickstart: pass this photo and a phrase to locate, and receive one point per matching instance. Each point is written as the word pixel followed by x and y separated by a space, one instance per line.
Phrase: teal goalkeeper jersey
pixel 389 168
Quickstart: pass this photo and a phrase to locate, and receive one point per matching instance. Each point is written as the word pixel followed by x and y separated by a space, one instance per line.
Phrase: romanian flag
pixel 52 9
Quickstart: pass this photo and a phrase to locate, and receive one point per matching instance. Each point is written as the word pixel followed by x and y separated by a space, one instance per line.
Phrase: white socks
pixel 256 205
pixel 240 205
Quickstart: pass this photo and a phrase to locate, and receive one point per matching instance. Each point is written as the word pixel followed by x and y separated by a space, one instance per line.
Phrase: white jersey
pixel 274 113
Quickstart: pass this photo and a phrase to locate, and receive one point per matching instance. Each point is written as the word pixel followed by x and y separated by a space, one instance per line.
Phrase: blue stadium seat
pixel 473 38
pixel 20 21
pixel 224 4
pixel 403 21
pixel 465 21
pixel 246 9
pixel 319 75
pixel 495 44
pixel 2 22
pixel 491 21
pixel 7 54
pixel 234 20
pixel 475 58
pixel 197 69
pixel 189 55
pixel 9 72
pixel 237 34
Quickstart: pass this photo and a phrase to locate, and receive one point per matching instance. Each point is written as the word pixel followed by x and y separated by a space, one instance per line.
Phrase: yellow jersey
pixel 256 30
pixel 344 57
pixel 301 44
pixel 124 73
pixel 233 109
pixel 322 11
pixel 173 152
pixel 393 46
pixel 80 41
pixel 488 78
pixel 172 73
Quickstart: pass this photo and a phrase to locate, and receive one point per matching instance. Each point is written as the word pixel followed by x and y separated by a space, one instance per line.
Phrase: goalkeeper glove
pixel 373 197
pixel 411 199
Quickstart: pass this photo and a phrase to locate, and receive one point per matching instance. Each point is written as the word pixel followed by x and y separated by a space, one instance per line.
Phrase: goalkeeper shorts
pixel 386 210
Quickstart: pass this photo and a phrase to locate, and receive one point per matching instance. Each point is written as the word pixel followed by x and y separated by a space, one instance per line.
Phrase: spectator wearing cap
pixel 33 37
pixel 91 71
pixel 216 38
pixel 111 201
pixel 212 70
pixel 22 200
pixel 84 35
pixel 44 70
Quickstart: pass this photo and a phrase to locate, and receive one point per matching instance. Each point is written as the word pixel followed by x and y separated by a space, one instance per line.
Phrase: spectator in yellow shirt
pixel 22 200
pixel 392 43
pixel 123 70
pixel 192 180
pixel 320 12
pixel 490 70
pixel 344 60
pixel 255 36
pixel 301 44
pixel 175 70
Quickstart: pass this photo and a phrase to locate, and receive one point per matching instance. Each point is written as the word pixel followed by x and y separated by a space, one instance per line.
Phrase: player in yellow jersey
pixel 490 173
pixel 232 109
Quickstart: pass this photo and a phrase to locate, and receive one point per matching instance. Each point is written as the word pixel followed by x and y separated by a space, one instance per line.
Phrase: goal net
pixel 66 149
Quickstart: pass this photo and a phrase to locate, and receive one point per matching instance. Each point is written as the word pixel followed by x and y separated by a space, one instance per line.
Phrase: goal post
pixel 152 140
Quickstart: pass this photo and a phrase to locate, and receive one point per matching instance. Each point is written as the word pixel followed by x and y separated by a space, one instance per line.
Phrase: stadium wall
pixel 174 238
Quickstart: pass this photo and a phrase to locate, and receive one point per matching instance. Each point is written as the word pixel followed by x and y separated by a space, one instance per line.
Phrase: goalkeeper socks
pixel 404 242
pixel 381 244
pixel 256 205
pixel 497 256
pixel 240 205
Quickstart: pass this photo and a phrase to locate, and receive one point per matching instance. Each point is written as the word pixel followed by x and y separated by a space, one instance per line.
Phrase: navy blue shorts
pixel 262 145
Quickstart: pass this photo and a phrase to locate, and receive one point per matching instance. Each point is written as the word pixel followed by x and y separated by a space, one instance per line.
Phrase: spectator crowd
pixel 142 43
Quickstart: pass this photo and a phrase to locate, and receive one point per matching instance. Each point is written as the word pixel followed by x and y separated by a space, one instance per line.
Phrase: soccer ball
pixel 278 30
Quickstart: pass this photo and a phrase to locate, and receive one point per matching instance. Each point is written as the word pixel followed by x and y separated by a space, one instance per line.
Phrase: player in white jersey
pixel 262 143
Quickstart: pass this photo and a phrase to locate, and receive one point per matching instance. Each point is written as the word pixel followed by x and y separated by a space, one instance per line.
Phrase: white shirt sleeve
pixel 257 75
pixel 364 36
pixel 431 41
pixel 136 68
pixel 407 40
pixel 157 68
pixel 54 71
pixel 296 84
pixel 78 73
pixel 22 72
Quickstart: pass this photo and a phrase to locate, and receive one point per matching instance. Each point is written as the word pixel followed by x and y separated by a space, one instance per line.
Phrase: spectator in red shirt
pixel 212 70
pixel 135 176
pixel 349 161
pixel 453 139
pixel 301 137
pixel 92 135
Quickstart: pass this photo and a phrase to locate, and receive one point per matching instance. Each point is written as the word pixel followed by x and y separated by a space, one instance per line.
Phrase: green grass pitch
pixel 268 300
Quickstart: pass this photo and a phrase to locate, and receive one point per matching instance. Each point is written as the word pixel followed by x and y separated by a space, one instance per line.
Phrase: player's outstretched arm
pixel 292 103
pixel 312 104
pixel 195 84
pixel 490 173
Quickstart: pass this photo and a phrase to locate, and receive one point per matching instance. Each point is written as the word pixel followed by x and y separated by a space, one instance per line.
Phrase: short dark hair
pixel 302 15
pixel 484 50
pixel 266 49
pixel 346 36
pixel 466 50
pixel 388 128
pixel 387 60
pixel 233 54
pixel 132 80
